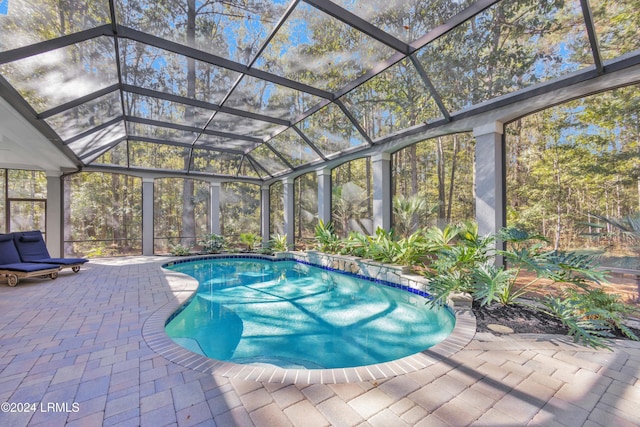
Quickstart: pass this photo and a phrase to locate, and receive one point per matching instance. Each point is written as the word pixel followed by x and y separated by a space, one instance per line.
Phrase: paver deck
pixel 87 350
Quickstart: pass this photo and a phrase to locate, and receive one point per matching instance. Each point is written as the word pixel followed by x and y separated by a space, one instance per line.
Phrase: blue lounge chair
pixel 14 268
pixel 32 248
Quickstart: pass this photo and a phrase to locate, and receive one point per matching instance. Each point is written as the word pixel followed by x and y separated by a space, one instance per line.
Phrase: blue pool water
pixel 295 315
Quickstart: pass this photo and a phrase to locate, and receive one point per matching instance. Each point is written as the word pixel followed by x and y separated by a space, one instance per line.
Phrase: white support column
pixel 214 213
pixel 289 210
pixel 381 165
pixel 265 213
pixel 147 216
pixel 53 221
pixel 490 178
pixel 324 195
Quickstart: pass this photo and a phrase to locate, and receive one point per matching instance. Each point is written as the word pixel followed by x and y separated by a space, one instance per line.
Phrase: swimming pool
pixel 294 315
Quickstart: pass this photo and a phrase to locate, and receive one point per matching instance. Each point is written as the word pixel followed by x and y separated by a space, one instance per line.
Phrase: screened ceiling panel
pixel 62 75
pixel 149 155
pixel 232 33
pixel 158 109
pixel 269 160
pixel 241 125
pixel 223 143
pixel 249 170
pixel 393 100
pixel 617 26
pixel 215 162
pixel 305 50
pixel 331 131
pixel 407 20
pixel 95 142
pixel 263 97
pixel 30 21
pixel 160 133
pixel 263 88
pixel 510 46
pixel 77 120
pixel 157 69
pixel 293 148
pixel 116 156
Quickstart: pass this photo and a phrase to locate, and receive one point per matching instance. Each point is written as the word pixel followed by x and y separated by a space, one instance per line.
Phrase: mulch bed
pixel 521 319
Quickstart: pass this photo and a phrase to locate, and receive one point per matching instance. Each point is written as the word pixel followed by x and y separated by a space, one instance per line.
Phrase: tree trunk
pixel 188 212
pixel 441 178
pixel 456 146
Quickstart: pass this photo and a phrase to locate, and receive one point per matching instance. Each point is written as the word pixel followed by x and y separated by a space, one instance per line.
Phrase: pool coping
pixel 154 334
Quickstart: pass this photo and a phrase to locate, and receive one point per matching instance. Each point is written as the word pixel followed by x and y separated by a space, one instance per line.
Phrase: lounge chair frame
pixel 13 276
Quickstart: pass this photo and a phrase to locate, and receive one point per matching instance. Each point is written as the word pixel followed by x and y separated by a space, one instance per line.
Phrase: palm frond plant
pixel 408 211
pixel 278 242
pixel 250 240
pixel 356 244
pixel 411 249
pixel 452 266
pixel 326 238
pixel 628 226
pixel 383 247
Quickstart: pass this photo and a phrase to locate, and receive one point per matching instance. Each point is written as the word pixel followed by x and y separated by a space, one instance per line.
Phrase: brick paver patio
pixel 85 350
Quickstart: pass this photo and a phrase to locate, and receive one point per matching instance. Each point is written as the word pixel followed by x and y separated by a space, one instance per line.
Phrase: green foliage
pixel 469 265
pixel 250 240
pixel 407 211
pixel 278 243
pixel 590 314
pixel 356 244
pixel 457 251
pixel 591 332
pixel 628 227
pixel 326 238
pixel 383 247
pixel 411 249
pixel 438 239
pixel 212 243
pixel 179 250
pixel 491 283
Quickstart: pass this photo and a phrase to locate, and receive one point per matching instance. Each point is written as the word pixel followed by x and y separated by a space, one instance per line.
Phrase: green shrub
pixel 591 315
pixel 179 250
pixel 326 238
pixel 278 243
pixel 212 243
pixel 250 240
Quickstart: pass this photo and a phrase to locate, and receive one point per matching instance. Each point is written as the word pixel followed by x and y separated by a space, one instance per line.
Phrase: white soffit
pixel 23 147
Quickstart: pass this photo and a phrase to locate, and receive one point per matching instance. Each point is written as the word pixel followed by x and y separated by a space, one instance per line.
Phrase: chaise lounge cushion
pixel 10 259
pixel 8 252
pixel 32 248
pixel 28 267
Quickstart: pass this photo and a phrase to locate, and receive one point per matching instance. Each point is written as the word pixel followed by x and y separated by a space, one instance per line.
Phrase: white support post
pixel 289 211
pixel 381 165
pixel 490 180
pixel 491 204
pixel 324 195
pixel 53 220
pixel 265 213
pixel 214 212
pixel 147 216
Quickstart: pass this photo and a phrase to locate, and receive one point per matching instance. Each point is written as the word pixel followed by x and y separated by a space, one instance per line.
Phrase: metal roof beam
pixel 78 101
pixel 361 25
pixel 53 44
pixel 203 104
pixel 199 55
